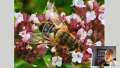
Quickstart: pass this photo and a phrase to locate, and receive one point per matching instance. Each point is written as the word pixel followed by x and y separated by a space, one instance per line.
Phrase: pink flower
pixel 25 36
pixel 19 18
pixel 98 43
pixel 89 50
pixel 25 25
pixel 41 49
pixel 74 24
pixel 41 18
pixel 90 15
pixel 57 61
pixel 76 17
pixel 78 3
pixel 65 55
pixel 30 58
pixel 20 45
pixel 101 18
pixel 77 57
pixel 89 42
pixel 82 34
pixel 86 56
pixel 90 4
pixel 68 18
pixel 80 11
pixel 34 18
pixel 96 7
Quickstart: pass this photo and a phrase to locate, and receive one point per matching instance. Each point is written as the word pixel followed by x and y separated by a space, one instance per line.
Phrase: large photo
pixel 57 33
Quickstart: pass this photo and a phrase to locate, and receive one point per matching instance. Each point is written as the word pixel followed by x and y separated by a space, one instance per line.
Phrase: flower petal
pixel 89 50
pixel 74 60
pixel 90 15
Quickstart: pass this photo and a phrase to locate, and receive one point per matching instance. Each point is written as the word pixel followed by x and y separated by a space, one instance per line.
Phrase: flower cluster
pixel 70 38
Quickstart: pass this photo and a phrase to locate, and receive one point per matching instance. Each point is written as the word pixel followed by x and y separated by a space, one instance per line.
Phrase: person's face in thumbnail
pixel 109 55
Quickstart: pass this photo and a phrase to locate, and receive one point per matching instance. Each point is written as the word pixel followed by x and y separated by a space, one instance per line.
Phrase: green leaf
pixel 85 65
pixel 101 1
pixel 39 63
pixel 18 5
pixel 68 9
pixel 37 6
pixel 47 58
pixel 22 64
pixel 62 3
pixel 67 66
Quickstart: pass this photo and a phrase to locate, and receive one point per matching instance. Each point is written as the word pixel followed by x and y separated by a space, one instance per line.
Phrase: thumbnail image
pixel 104 56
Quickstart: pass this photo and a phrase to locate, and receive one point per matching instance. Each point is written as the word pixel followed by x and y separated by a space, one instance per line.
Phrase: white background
pixel 112 31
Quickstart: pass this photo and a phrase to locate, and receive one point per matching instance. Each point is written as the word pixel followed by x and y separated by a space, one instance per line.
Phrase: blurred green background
pixel 33 6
